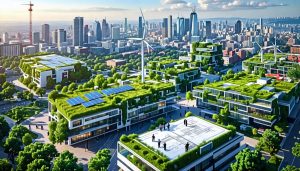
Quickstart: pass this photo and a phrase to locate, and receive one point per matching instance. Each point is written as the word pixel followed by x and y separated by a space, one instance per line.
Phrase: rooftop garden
pixel 245 84
pixel 120 100
pixel 162 162
pixel 268 57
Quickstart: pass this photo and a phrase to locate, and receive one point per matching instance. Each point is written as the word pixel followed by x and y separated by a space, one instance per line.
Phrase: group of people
pixel 163 126
pixel 185 122
pixel 159 142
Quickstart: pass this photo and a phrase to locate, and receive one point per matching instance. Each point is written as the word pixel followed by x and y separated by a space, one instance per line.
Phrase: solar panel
pixel 117 90
pixel 93 102
pixel 93 95
pixel 75 101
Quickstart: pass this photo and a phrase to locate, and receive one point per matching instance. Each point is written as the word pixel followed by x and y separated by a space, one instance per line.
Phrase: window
pixel 77 123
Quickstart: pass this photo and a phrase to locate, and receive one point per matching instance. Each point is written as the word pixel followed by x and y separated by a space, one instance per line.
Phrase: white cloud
pixel 173 2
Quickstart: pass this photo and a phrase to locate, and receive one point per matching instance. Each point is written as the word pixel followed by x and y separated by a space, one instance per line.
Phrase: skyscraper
pixel 46 33
pixel 261 26
pixel 140 28
pixel 180 28
pixel 98 31
pixel 86 31
pixel 238 27
pixel 78 31
pixel 5 38
pixel 61 36
pixel 170 28
pixel 165 28
pixel 36 37
pixel 115 33
pixel 194 27
pixel 208 29
pixel 105 29
pixel 54 37
pixel 186 25
pixel 125 26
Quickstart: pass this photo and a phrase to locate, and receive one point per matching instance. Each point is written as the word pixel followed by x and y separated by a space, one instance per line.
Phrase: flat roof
pixel 197 131
pixel 54 61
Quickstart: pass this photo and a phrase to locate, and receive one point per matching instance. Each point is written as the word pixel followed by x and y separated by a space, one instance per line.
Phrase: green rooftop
pixel 141 91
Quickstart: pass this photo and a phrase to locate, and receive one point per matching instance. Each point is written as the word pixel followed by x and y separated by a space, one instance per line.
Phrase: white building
pixel 10 49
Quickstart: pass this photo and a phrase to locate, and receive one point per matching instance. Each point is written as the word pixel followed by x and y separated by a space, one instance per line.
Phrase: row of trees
pixel 7 90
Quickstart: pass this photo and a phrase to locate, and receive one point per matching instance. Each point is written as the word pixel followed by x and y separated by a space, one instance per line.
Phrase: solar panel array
pixel 92 102
pixel 75 101
pixel 117 90
pixel 93 95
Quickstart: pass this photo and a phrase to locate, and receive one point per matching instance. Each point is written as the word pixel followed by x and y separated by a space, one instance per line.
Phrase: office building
pixel 97 31
pixel 105 29
pixel 36 37
pixel 115 33
pixel 61 37
pixel 54 37
pixel 78 36
pixel 170 28
pixel 125 26
pixel 10 49
pixel 30 50
pixel 180 28
pixel 261 25
pixel 140 27
pixel 195 145
pixel 186 26
pixel 165 28
pixel 85 33
pixel 208 29
pixel 46 33
pixel 238 27
pixel 194 26
pixel 5 37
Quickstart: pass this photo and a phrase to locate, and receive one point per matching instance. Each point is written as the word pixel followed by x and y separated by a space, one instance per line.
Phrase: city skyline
pixel 115 9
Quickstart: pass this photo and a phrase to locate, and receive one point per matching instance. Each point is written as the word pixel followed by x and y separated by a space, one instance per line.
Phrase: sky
pixel 66 10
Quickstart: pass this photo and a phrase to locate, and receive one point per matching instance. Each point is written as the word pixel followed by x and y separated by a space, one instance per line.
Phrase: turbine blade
pixel 148 45
pixel 144 24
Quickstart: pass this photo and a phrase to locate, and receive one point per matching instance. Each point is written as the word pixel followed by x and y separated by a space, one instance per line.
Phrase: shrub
pixel 154 157
pixel 278 129
pixel 136 147
pixel 145 152
pixel 160 161
pixel 132 136
pixel 254 131
pixel 188 114
pixel 124 138
pixel 152 127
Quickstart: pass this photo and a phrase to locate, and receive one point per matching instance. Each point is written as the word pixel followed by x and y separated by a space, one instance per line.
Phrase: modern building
pixel 194 25
pixel 238 27
pixel 78 34
pixel 54 37
pixel 170 28
pixel 165 28
pixel 115 33
pixel 5 37
pixel 115 62
pixel 201 145
pixel 180 28
pixel 252 100
pixel 125 26
pixel 105 29
pixel 261 25
pixel 43 68
pixel 61 37
pixel 208 29
pixel 36 37
pixel 97 31
pixel 140 27
pixel 10 49
pixel 30 50
pixel 202 51
pixel 91 113
pixel 85 34
pixel 46 33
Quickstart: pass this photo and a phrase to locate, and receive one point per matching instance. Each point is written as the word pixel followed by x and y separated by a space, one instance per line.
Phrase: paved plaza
pixel 196 132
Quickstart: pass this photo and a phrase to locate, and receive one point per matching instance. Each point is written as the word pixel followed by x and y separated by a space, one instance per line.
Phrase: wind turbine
pixel 262 51
pixel 143 40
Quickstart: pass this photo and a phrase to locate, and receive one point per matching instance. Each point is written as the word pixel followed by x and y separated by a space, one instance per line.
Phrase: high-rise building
pixel 36 37
pixel 238 27
pixel 5 37
pixel 140 28
pixel 115 33
pixel 170 28
pixel 186 25
pixel 54 37
pixel 165 28
pixel 261 26
pixel 10 49
pixel 78 31
pixel 194 26
pixel 208 29
pixel 180 28
pixel 61 37
pixel 98 31
pixel 125 26
pixel 85 32
pixel 46 33
pixel 105 29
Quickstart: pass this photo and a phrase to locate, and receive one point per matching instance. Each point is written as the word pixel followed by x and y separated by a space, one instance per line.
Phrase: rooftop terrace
pixel 195 133
pixel 55 61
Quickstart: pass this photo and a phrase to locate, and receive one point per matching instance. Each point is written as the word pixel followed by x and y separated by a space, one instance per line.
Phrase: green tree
pixel 206 81
pixel 66 161
pixel 116 76
pixel 296 150
pixel 294 73
pixel 36 151
pixel 5 165
pixel 12 146
pixel 72 87
pixel 53 94
pixel 290 168
pixel 38 165
pixel 124 77
pixel 101 161
pixel 50 83
pixel 152 75
pixel 40 91
pixel 58 87
pixel 52 128
pixel 18 131
pixel 8 92
pixel 269 141
pixel 247 160
pixel 64 89
pixel 189 96
pixel 210 70
pixel 2 79
pixel 254 131
pixel 167 77
pixel 158 77
pixel 27 139
pixel 61 132
pixel 18 114
pixel 4 127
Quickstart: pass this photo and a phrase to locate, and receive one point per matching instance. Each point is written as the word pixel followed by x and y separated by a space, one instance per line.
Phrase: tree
pixel 2 79
pixel 152 75
pixel 18 131
pixel 52 128
pixel 158 77
pixel 290 168
pixel 124 77
pixel 18 114
pixel 230 72
pixel 12 146
pixel 116 76
pixel 4 127
pixel 261 72
pixel 269 141
pixel 101 161
pixel 27 139
pixel 66 161
pixel 210 70
pixel 41 91
pixel 61 132
pixel 296 150
pixel 38 165
pixel 254 131
pixel 294 73
pixel 53 94
pixel 64 89
pixel 247 160
pixel 5 165
pixel 50 83
pixel 72 87
pixel 206 81
pixel 36 151
pixel 167 77
pixel 8 92
pixel 189 96
pixel 58 87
